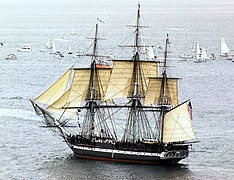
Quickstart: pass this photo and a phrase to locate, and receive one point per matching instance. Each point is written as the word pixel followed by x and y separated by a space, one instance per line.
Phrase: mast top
pixel 165 56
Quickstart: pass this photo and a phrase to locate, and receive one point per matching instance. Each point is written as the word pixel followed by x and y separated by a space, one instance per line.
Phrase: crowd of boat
pixel 201 54
pixel 198 54
pixel 49 45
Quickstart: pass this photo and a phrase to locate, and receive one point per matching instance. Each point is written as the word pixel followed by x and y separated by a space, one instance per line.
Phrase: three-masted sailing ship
pixel 125 112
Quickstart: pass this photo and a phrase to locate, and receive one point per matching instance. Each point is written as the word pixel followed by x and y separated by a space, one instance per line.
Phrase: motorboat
pixel 185 57
pixel 58 55
pixel 11 56
pixel 25 48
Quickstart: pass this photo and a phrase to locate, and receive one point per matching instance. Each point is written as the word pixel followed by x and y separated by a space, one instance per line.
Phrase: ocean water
pixel 28 151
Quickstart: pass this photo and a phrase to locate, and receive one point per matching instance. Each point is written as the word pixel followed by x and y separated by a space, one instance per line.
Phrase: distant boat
pixel 204 54
pixel 78 53
pixel 58 55
pixel 48 45
pixel 73 32
pixel 197 57
pixel 149 52
pixel 11 56
pixel 185 57
pixel 224 51
pixel 25 48
pixel 212 56
pixel 53 47
pixel 69 50
pixel 229 58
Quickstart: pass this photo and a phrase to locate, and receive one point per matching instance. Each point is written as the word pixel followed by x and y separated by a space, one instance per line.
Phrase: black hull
pixel 126 156
pixel 142 153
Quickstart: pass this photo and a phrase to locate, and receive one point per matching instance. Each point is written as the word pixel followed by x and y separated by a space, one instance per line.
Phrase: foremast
pixel 176 125
pixel 94 97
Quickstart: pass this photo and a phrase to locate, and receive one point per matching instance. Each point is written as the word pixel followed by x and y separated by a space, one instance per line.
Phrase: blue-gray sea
pixel 28 151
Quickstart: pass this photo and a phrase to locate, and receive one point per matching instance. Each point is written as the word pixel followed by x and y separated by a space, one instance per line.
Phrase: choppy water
pixel 30 152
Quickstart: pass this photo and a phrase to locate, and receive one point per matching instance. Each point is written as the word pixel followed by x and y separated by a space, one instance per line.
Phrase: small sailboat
pixel 25 48
pixel 212 56
pixel 204 54
pixel 11 56
pixel 69 49
pixel 53 48
pixel 73 32
pixel 197 57
pixel 184 56
pixel 151 53
pixel 224 51
pixel 48 45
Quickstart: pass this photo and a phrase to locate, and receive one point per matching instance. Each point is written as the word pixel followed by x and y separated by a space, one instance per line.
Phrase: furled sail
pixel 154 91
pixel 120 82
pixel 79 89
pixel 177 125
pixel 56 90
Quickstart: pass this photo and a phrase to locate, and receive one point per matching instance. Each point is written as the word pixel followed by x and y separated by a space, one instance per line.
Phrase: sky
pixel 165 4
pixel 101 1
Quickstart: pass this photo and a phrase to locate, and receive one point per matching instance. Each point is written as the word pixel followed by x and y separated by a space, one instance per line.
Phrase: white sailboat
pixel 185 56
pixel 197 53
pixel 204 54
pixel 53 47
pixel 224 51
pixel 151 53
pixel 73 32
pixel 48 45
pixel 69 50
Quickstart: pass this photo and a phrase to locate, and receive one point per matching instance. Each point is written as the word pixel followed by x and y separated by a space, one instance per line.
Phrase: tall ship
pixel 125 112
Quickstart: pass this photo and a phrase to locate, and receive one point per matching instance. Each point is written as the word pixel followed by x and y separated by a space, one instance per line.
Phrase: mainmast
pixel 163 97
pixel 135 101
pixel 136 56
pixel 137 120
pixel 93 66
pixel 93 94
pixel 137 30
pixel 164 73
pixel 95 42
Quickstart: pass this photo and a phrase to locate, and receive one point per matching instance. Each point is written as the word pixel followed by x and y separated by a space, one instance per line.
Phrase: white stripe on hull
pixel 113 153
